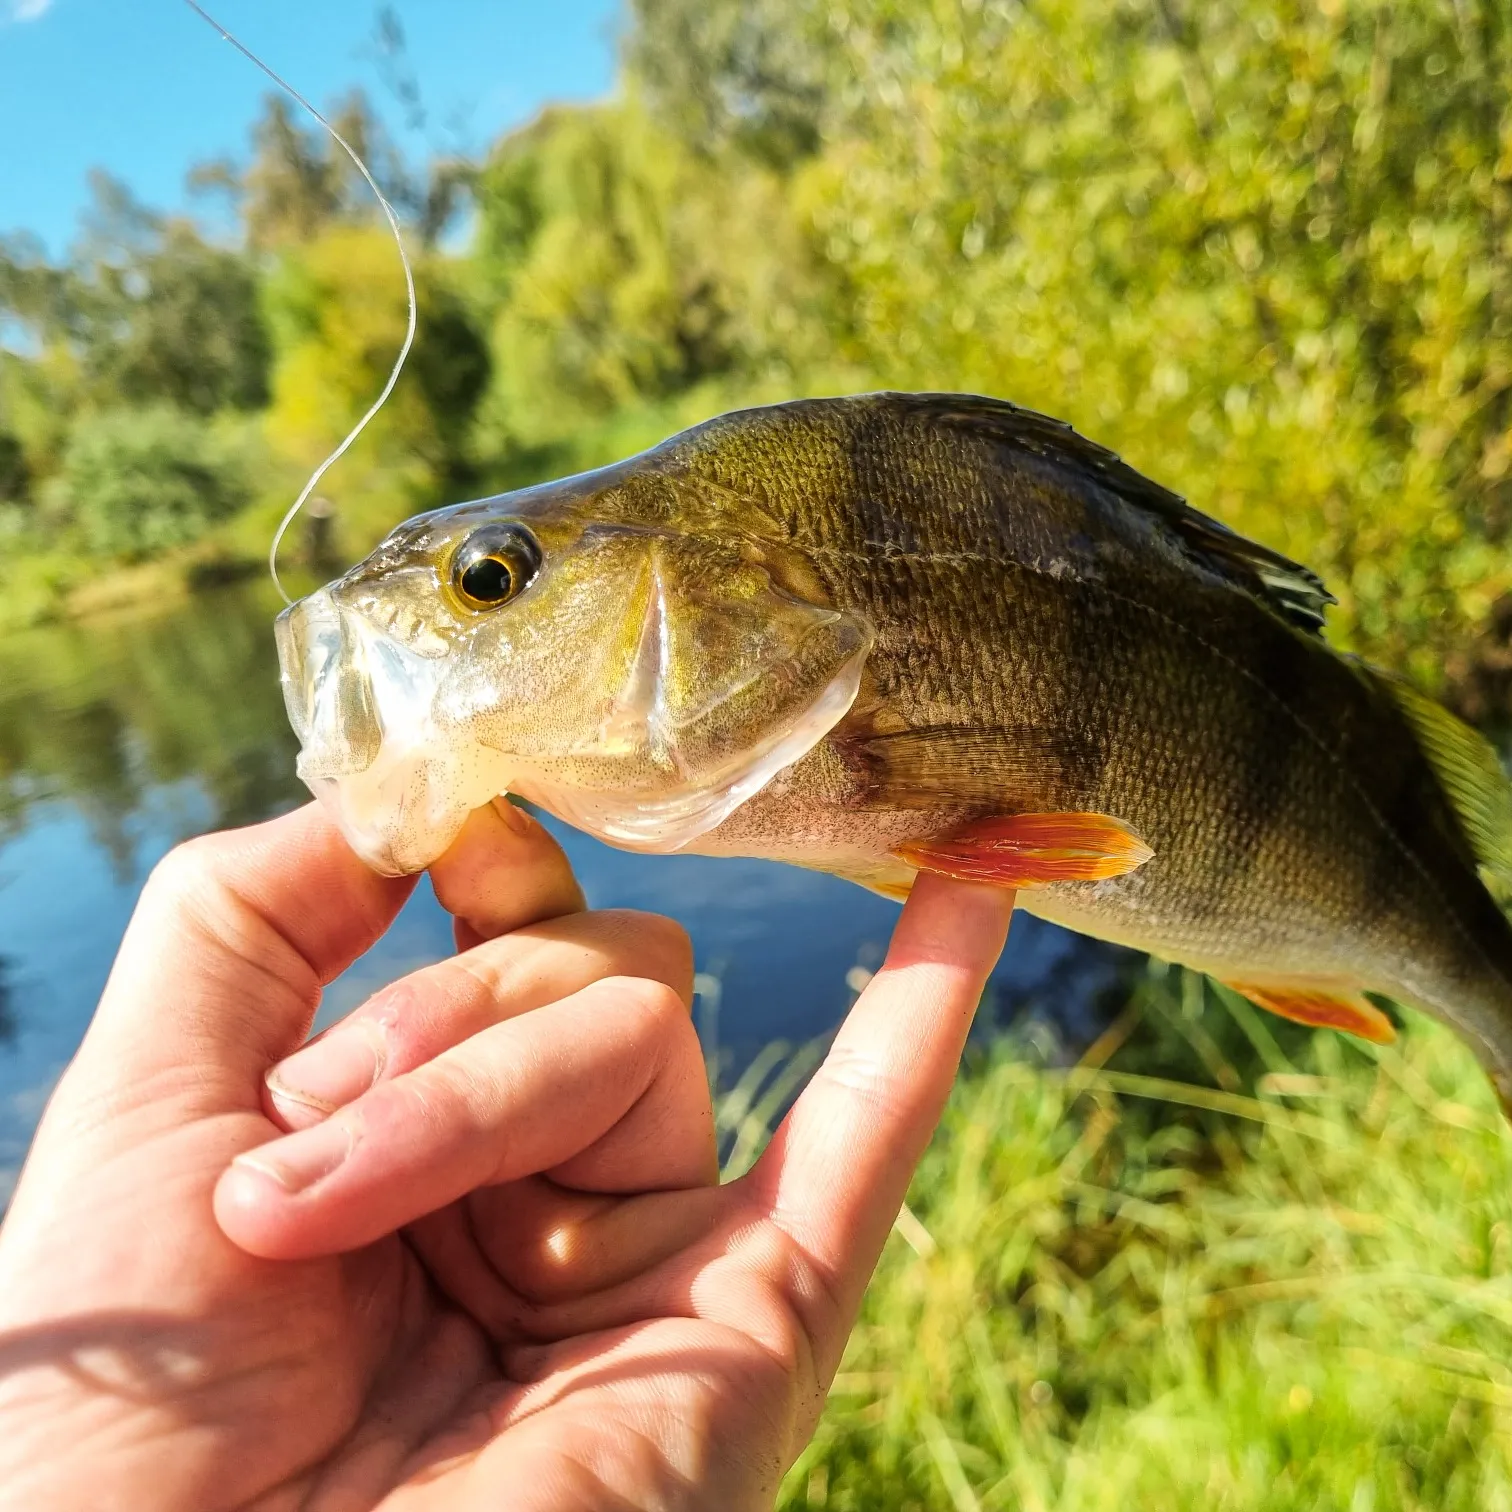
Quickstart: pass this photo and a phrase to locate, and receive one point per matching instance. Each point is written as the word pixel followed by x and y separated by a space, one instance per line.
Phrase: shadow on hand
pixel 141 1357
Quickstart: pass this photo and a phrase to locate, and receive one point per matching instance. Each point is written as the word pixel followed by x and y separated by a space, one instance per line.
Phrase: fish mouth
pixel 363 707
pixel 327 689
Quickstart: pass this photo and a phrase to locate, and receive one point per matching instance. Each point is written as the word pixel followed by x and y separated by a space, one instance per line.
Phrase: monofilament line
pixel 409 287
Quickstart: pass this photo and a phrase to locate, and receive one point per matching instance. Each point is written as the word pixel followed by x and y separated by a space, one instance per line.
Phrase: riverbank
pixel 45 585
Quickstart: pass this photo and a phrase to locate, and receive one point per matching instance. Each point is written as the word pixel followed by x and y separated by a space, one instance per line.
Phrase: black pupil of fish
pixel 488 580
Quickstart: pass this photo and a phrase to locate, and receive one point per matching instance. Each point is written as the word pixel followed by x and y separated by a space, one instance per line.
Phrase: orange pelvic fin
pixel 1032 850
pixel 1348 1011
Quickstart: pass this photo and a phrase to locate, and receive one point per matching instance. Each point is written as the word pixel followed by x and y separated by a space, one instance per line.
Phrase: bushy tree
pixel 144 310
pixel 181 325
pixel 337 308
pixel 134 482
pixel 626 267
pixel 756 76
pixel 14 475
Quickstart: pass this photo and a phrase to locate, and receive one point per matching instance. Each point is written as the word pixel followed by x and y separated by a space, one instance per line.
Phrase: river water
pixel 120 737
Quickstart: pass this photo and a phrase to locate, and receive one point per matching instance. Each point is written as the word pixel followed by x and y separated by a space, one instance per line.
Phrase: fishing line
pixel 409 286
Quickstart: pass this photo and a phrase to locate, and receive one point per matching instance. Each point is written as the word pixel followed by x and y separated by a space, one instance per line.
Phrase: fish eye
pixel 494 565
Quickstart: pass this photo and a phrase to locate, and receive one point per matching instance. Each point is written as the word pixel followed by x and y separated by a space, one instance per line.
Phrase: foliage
pixel 751 76
pixel 37 398
pixel 13 470
pixel 622 270
pixel 298 181
pixel 139 481
pixel 182 328
pixel 145 309
pixel 1281 1287
pixel 337 308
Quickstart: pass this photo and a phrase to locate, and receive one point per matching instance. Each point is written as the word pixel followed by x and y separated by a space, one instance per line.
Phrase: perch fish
pixel 902 632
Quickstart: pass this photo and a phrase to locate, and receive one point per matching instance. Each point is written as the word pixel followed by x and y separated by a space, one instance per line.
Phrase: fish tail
pixel 1479 793
pixel 1471 775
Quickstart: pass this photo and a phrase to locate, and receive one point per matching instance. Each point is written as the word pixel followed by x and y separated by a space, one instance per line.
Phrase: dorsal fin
pixel 1471 775
pixel 1284 586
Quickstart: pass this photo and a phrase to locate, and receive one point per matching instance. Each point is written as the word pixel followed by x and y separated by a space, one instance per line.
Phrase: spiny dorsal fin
pixel 1285 586
pixel 1470 772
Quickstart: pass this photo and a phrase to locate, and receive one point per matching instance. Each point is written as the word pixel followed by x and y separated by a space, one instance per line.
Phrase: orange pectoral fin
pixel 1323 1010
pixel 1032 850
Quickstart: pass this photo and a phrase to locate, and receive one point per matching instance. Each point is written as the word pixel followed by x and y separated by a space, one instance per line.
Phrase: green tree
pixel 138 481
pixel 143 311
pixel 625 267
pixel 14 474
pixel 299 183
pixel 186 328
pixel 751 76
pixel 337 309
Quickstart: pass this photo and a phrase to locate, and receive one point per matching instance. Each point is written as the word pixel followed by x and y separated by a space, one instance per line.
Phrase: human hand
pixel 500 1272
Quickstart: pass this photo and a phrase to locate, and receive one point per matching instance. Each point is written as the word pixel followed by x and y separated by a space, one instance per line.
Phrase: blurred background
pixel 1164 1254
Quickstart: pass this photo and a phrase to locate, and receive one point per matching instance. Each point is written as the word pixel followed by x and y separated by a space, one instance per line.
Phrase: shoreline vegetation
pixel 1262 249
pixel 1222 1263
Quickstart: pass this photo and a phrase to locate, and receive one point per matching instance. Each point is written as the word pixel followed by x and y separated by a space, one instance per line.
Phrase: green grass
pixel 1234 1266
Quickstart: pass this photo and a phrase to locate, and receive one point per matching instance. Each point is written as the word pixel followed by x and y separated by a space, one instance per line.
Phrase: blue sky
pixel 143 88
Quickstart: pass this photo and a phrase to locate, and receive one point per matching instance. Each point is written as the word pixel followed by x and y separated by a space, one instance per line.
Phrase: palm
pixel 451 1360
pixel 569 1385
pixel 445 1358
pixel 248 1359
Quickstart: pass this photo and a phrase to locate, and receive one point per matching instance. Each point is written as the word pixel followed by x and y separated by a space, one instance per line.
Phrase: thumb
pixel 231 942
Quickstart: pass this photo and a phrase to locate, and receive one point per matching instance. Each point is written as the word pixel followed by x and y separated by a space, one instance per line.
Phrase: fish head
pixel 593 645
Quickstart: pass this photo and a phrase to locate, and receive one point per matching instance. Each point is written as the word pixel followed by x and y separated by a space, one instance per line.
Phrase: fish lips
pixel 327 689
pixel 393 762
pixel 361 704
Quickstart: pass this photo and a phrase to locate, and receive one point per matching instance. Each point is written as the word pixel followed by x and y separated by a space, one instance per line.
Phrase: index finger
pixel 835 1173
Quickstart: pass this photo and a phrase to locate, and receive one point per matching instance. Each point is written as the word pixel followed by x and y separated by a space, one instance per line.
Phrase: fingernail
pixel 298 1161
pixel 330 1073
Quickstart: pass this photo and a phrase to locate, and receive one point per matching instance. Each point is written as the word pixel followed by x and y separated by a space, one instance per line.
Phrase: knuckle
pixel 447 1091
pixel 190 888
pixel 673 946
pixel 659 1007
pixel 655 946
pixel 191 870
pixel 864 1079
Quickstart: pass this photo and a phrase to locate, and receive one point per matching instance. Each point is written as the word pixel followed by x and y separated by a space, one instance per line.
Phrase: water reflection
pixel 118 739
pixel 106 713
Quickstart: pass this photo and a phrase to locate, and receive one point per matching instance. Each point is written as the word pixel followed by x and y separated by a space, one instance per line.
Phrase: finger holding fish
pixel 504 870
pixel 801 1231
